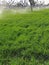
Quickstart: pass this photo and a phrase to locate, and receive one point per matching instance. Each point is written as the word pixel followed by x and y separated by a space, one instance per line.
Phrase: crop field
pixel 24 38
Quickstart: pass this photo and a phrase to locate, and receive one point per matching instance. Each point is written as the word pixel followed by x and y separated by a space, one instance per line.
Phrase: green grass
pixel 24 38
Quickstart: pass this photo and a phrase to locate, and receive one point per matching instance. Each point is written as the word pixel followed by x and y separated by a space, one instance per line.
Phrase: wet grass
pixel 24 38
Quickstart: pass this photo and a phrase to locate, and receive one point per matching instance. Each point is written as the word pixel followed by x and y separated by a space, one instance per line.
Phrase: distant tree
pixel 20 3
pixel 32 3
pixel 25 3
pixel 10 3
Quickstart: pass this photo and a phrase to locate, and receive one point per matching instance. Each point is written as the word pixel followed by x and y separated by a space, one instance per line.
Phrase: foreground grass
pixel 24 38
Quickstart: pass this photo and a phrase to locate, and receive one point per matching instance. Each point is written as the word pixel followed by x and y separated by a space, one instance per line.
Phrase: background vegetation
pixel 24 38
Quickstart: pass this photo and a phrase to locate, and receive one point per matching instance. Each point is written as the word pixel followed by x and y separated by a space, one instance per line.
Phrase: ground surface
pixel 24 38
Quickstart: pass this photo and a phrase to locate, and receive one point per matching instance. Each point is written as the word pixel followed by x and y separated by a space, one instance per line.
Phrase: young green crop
pixel 24 38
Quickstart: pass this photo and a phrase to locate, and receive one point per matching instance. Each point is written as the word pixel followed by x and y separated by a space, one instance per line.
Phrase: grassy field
pixel 24 38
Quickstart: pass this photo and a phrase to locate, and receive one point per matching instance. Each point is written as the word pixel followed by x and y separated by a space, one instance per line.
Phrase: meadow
pixel 24 38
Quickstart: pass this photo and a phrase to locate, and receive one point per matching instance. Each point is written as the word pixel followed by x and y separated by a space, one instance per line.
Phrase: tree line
pixel 21 3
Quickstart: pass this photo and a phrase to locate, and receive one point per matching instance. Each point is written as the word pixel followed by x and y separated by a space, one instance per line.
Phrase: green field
pixel 24 38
